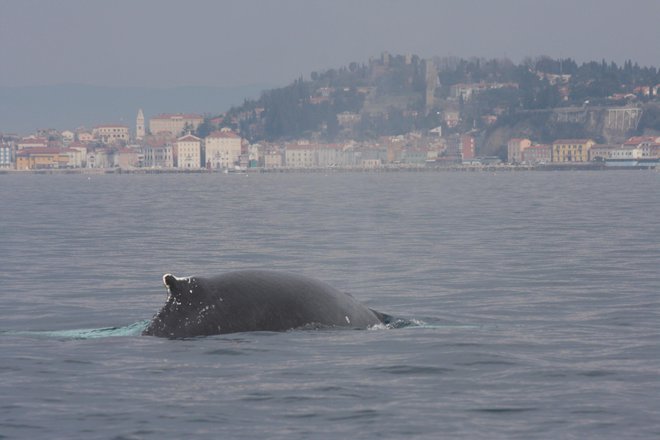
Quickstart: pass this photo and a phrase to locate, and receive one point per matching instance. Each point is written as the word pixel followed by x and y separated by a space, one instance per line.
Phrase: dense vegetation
pixel 388 94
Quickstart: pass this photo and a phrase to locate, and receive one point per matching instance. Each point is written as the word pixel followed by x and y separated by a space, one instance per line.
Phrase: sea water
pixel 532 297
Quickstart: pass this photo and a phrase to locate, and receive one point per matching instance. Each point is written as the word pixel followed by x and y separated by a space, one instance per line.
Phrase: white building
pixel 100 158
pixel 189 152
pixel 158 156
pixel 300 156
pixel 175 124
pixel 330 155
pixel 77 153
pixel 5 155
pixel 223 149
pixel 468 91
pixel 626 152
pixel 646 144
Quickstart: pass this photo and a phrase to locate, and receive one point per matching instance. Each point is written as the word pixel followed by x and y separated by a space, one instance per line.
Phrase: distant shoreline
pixel 384 169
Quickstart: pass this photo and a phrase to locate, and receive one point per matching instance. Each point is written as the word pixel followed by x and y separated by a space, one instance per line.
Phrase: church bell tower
pixel 139 126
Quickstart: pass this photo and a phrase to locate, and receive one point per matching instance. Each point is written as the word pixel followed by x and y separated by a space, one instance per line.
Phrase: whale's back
pixel 255 300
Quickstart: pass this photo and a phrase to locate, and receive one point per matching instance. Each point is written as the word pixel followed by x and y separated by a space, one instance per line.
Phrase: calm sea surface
pixel 535 298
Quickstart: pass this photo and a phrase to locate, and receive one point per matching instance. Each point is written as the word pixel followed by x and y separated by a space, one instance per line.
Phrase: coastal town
pixel 166 143
pixel 394 112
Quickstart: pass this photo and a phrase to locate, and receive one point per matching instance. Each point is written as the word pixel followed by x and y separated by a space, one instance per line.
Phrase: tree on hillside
pixel 205 128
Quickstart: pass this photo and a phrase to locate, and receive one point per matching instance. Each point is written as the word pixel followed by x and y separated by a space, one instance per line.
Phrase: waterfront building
pixel 175 124
pixel 188 152
pixel 300 155
pixel 126 158
pixel 244 161
pixel 370 163
pixel 223 149
pixel 371 157
pixel 5 155
pixel 645 144
pixel 468 147
pixel 330 155
pixel 601 152
pixel 273 159
pixel 453 147
pixel 537 154
pixel 654 151
pixel 37 158
pixel 417 156
pixel 111 134
pixel 77 153
pixel 515 148
pixel 100 158
pixel 158 155
pixel 626 152
pixel 571 150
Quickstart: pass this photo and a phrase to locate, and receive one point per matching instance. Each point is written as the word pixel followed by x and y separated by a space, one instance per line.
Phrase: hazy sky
pixel 244 42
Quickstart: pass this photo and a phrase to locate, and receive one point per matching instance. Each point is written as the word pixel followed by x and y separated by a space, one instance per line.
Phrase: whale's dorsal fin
pixel 169 280
pixel 174 284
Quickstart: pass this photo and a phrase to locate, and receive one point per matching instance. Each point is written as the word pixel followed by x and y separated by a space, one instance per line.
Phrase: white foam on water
pixel 413 323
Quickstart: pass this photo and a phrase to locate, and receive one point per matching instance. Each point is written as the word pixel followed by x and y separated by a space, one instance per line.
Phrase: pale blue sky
pixel 242 42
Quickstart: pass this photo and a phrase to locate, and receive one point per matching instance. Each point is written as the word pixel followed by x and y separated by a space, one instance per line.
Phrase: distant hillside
pixel 594 122
pixel 25 109
pixel 492 98
pixel 385 96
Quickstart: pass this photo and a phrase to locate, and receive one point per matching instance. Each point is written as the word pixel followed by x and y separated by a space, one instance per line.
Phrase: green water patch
pixel 134 329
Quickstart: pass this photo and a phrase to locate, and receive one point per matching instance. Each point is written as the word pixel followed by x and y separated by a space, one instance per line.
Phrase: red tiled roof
pixel 291 147
pixel 178 116
pixel 605 147
pixel 571 141
pixel 636 140
pixel 39 150
pixel 33 141
pixel 154 142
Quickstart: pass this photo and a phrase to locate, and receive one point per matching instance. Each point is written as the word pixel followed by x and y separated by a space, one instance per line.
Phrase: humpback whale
pixel 255 300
